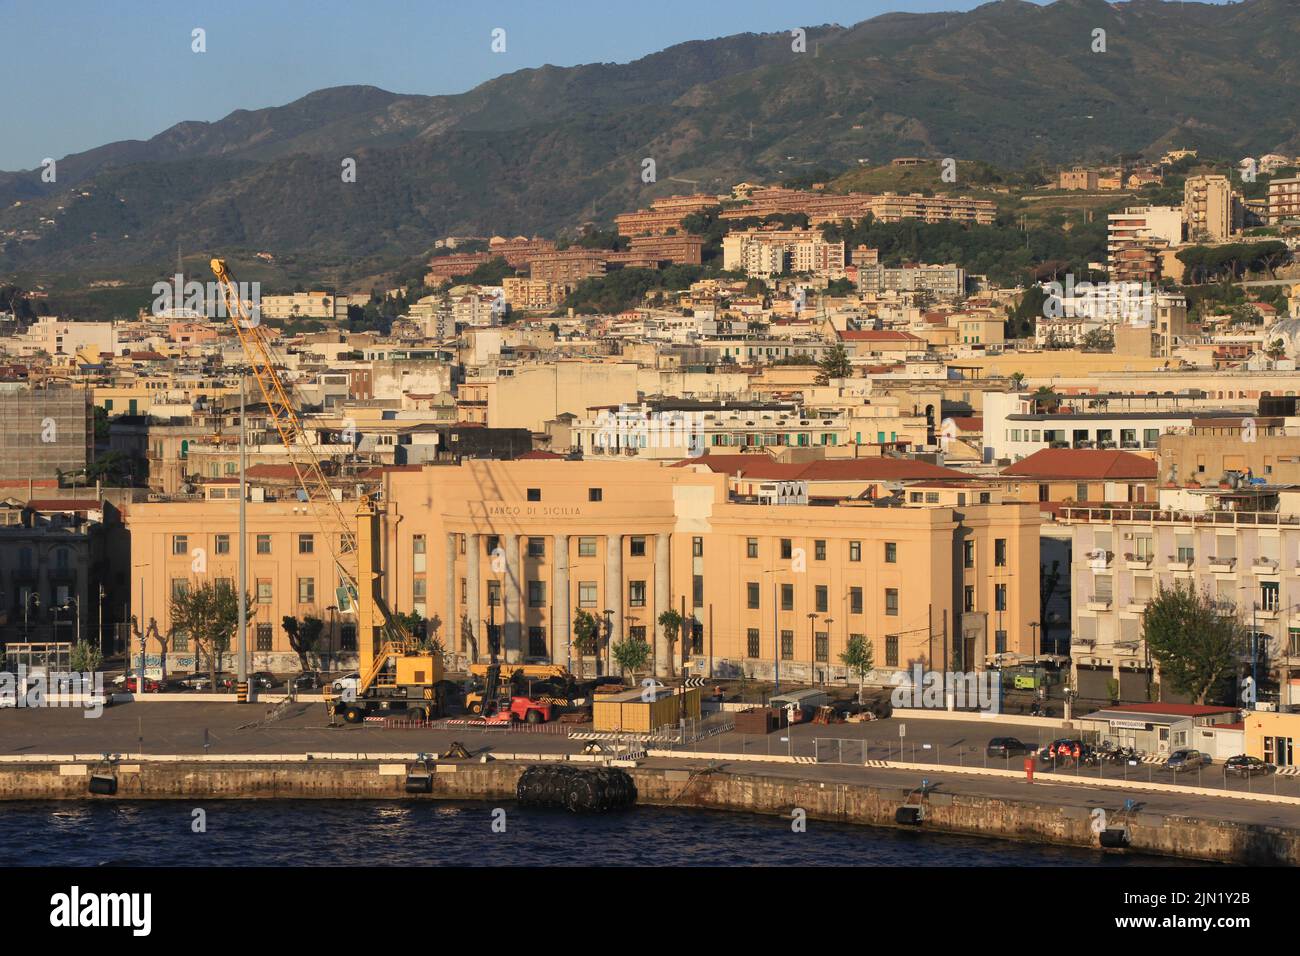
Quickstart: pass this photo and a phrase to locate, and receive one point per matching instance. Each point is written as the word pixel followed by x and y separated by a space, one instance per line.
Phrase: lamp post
pixel 609 632
pixel 829 622
pixel 776 634
pixel 33 599
pixel 99 620
pixel 329 643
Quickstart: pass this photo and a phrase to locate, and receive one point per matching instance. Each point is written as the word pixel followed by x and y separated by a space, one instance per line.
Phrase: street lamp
pixel 99 619
pixel 329 644
pixel 33 599
pixel 73 605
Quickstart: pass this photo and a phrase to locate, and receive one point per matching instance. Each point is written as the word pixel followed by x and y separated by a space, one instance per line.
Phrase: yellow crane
pixel 395 674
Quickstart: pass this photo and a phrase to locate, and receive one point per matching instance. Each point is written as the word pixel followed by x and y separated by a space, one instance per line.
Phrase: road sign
pixel 902 730
pixel 695 682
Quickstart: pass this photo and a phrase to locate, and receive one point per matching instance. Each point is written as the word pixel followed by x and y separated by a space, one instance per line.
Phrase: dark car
pixel 1008 747
pixel 1062 750
pixel 308 680
pixel 1246 766
pixel 263 679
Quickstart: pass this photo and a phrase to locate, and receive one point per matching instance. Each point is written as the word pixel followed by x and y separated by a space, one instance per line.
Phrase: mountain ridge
pixel 537 150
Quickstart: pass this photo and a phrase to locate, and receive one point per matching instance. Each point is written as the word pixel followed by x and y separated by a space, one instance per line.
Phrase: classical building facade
pixel 502 555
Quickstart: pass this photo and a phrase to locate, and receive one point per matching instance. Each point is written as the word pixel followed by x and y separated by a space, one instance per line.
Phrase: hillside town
pixel 807 450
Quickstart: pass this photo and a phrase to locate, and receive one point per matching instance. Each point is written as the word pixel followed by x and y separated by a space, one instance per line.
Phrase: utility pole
pixel 241 672
pixel 776 641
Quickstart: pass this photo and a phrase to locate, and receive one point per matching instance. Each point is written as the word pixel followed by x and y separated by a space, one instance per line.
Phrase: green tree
pixel 303 636
pixel 671 621
pixel 86 657
pixel 632 654
pixel 1098 340
pixel 209 614
pixel 1196 642
pixel 836 363
pixel 859 657
pixel 586 633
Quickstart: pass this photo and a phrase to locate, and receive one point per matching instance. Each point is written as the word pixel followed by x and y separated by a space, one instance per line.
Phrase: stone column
pixel 510 637
pixel 614 586
pixel 663 602
pixel 561 613
pixel 450 622
pixel 473 594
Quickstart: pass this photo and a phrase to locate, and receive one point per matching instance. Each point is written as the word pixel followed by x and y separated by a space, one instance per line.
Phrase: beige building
pixel 175 545
pixel 528 396
pixel 505 554
pixel 524 545
pixel 1210 448
pixel 1208 207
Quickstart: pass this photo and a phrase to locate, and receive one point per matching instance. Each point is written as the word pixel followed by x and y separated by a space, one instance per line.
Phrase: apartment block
pixel 567 268
pixel 1283 199
pixel 1239 548
pixel 1208 208
pixel 1134 236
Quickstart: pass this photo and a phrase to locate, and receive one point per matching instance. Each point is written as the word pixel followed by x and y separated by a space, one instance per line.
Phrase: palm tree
pixel 671 622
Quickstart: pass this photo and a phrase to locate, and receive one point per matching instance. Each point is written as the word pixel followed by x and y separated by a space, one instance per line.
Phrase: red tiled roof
pixel 1174 710
pixel 835 469
pixel 1082 463
pixel 968 423
pixel 881 335
pixel 272 471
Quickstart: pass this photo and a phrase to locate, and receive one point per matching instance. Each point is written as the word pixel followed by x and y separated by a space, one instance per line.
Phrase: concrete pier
pixel 749 789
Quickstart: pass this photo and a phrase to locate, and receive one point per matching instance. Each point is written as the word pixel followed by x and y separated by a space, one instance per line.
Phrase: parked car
pixel 1008 747
pixel 1246 766
pixel 197 681
pixel 1185 758
pixel 308 680
pixel 1061 751
pixel 346 682
pixel 151 686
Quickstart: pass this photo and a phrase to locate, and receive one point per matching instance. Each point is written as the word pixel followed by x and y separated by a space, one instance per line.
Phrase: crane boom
pixel 383 639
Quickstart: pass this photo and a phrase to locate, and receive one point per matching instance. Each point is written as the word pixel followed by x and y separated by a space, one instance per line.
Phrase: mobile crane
pixel 396 675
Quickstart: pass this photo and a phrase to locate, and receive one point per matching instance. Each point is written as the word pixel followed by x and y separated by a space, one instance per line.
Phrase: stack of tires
pixel 586 790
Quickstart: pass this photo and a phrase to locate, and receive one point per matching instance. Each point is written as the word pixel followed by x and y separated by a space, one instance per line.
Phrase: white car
pixel 348 682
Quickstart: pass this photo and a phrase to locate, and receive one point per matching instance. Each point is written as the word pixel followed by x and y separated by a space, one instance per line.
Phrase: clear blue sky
pixel 81 73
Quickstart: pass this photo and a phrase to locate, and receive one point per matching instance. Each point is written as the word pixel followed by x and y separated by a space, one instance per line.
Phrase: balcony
pixel 1138 562
pixel 1099 602
pixel 1265 566
pixel 1186 563
pixel 1222 564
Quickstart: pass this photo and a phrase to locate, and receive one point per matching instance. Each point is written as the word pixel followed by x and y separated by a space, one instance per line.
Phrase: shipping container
pixel 643 710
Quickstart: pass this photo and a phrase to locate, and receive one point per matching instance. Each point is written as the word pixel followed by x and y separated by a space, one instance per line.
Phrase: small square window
pixel 595 494
pixel 534 494
pixel 891 552
pixel 636 547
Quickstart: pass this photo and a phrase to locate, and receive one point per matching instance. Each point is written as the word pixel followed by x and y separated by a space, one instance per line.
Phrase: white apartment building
pixel 1137 228
pixel 1016 424
pixel 56 336
pixel 1241 546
